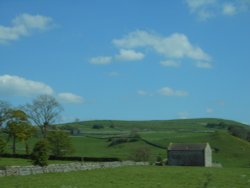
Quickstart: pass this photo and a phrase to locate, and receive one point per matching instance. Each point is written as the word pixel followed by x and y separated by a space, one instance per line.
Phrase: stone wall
pixel 31 170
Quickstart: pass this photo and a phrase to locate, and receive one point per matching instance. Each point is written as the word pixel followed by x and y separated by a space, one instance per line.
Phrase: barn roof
pixel 187 147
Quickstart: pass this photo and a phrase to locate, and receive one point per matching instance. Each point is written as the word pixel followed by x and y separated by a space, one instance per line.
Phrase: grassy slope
pixel 136 177
pixel 154 125
pixel 232 152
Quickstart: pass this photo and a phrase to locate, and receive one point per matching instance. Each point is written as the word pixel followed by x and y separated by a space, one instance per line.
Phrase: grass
pixel 136 177
pixel 228 150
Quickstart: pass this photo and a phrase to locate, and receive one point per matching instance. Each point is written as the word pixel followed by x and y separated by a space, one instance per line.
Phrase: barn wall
pixel 186 158
pixel 208 156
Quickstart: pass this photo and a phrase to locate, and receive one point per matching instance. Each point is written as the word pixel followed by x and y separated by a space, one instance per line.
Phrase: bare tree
pixel 4 111
pixel 43 111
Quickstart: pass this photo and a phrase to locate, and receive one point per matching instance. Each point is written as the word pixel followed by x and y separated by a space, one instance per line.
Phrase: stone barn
pixel 190 154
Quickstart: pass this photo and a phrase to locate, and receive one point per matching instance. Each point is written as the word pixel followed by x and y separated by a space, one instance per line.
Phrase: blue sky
pixel 128 59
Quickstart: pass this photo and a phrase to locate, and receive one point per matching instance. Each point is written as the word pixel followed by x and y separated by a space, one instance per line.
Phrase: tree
pixel 2 145
pixel 26 132
pixel 40 154
pixel 43 111
pixel 18 127
pixel 4 111
pixel 60 143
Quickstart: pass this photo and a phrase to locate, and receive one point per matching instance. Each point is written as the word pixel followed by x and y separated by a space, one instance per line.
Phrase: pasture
pixel 134 177
pixel 228 150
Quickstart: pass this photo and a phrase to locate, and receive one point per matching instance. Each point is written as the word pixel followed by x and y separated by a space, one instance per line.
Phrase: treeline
pixel 19 124
pixel 239 131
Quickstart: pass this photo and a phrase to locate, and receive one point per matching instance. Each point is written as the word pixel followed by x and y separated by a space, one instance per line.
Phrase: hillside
pixel 156 125
pixel 228 150
pixel 122 139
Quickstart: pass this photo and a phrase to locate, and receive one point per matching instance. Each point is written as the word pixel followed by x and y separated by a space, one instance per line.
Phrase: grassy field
pixel 228 150
pixel 134 177
pixel 232 152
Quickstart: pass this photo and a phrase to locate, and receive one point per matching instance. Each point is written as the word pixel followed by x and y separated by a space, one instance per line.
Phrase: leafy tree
pixel 26 132
pixel 60 143
pixel 2 145
pixel 18 127
pixel 43 111
pixel 40 154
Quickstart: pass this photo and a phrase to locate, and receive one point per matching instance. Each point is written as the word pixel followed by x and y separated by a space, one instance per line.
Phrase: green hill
pixel 116 139
pixel 228 150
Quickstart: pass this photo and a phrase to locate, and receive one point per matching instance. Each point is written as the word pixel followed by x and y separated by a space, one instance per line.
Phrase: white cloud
pixel 24 25
pixel 170 63
pixel 70 98
pixel 183 115
pixel 129 55
pixel 203 65
pixel 113 74
pixel 205 9
pixel 142 93
pixel 101 60
pixel 197 4
pixel 167 91
pixel 174 46
pixel 209 110
pixel 229 9
pixel 18 86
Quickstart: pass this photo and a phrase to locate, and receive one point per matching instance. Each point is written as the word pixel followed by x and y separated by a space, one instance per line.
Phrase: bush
pixel 60 143
pixel 2 145
pixel 159 161
pixel 220 125
pixel 96 126
pixel 40 154
pixel 141 154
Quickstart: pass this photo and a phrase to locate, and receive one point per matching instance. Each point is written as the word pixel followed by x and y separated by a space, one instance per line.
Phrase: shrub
pixel 40 154
pixel 159 161
pixel 60 143
pixel 2 145
pixel 97 126
pixel 141 154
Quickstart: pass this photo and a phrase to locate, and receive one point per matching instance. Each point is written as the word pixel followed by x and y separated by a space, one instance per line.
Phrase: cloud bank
pixel 11 85
pixel 205 9
pixel 24 25
pixel 173 48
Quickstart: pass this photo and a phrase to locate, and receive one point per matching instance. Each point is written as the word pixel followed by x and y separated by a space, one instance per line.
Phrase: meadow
pixel 231 152
pixel 134 177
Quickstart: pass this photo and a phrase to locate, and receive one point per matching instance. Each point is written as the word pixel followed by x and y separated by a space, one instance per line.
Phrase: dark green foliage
pixel 97 126
pixel 220 125
pixel 132 137
pixel 19 128
pixel 60 143
pixel 116 141
pixel 40 154
pixel 159 161
pixel 2 145
pixel 238 131
pixel 141 154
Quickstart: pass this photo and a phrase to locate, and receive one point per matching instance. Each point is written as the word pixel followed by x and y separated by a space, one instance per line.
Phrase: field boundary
pixel 77 166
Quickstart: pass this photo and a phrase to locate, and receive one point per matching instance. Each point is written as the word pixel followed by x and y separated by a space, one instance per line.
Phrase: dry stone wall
pixel 32 170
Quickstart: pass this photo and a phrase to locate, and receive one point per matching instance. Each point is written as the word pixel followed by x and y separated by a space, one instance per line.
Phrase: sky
pixel 128 59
